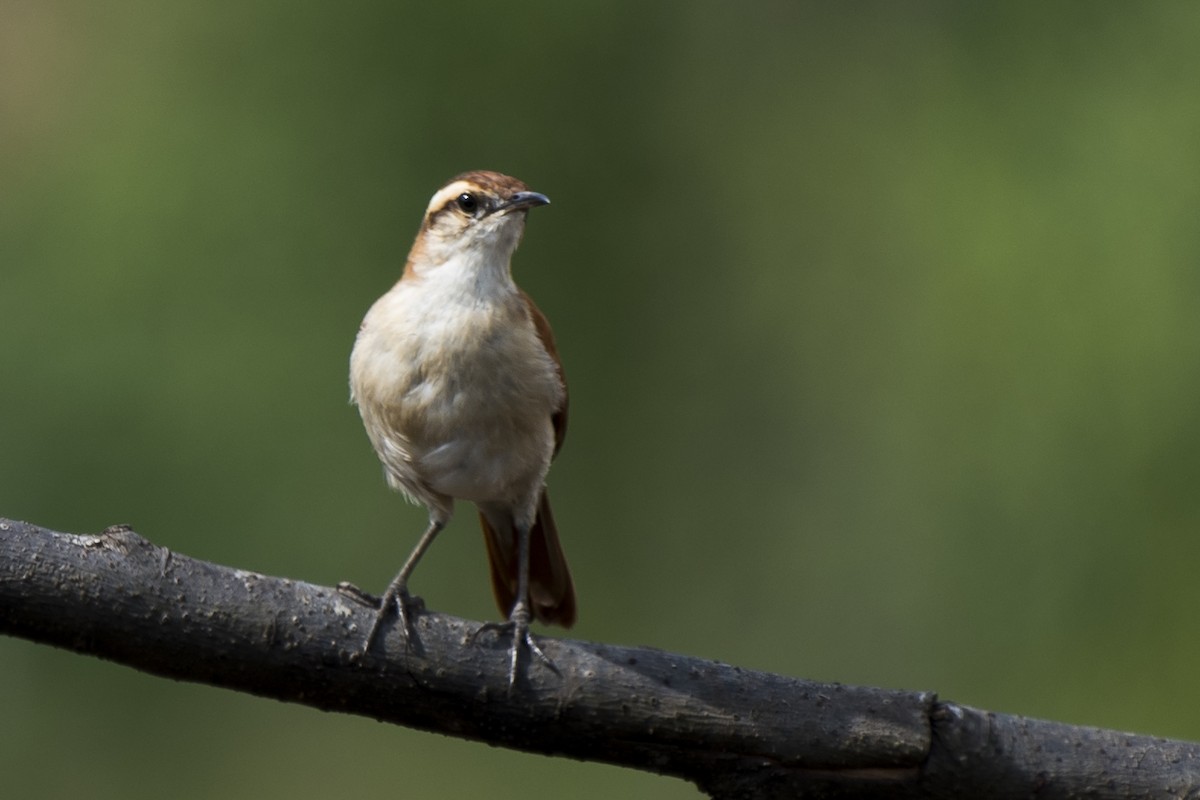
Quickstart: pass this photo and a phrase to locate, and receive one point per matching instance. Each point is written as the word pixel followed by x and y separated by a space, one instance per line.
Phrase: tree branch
pixel 734 732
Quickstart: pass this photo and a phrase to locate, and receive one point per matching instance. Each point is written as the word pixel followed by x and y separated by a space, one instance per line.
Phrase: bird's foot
pixel 395 598
pixel 518 626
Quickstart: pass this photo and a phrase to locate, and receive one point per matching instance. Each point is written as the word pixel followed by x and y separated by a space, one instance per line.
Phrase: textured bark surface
pixel 734 732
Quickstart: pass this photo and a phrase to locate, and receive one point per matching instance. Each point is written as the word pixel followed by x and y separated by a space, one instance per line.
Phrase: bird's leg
pixel 519 617
pixel 397 591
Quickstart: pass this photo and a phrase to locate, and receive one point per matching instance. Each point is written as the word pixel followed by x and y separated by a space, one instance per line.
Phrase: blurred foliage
pixel 881 322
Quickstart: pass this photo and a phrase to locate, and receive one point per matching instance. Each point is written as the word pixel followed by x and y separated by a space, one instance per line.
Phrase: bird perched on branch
pixel 462 394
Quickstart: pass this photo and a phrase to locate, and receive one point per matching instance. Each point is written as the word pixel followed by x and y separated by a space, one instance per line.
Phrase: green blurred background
pixel 880 321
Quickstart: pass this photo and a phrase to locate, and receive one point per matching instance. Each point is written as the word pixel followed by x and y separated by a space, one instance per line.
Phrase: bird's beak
pixel 523 200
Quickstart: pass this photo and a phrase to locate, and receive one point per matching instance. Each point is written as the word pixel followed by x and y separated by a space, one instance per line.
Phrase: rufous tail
pixel 551 590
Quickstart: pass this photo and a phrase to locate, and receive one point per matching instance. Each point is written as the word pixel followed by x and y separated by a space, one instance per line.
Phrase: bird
pixel 457 378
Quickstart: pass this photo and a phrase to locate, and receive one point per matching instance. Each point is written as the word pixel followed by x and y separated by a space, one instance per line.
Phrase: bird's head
pixel 477 216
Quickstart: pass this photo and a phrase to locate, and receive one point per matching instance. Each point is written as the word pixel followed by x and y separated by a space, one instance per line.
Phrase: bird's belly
pixel 467 415
pixel 480 472
pixel 483 438
pixel 480 447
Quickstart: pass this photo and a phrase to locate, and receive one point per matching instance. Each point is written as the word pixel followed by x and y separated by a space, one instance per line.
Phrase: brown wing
pixel 559 417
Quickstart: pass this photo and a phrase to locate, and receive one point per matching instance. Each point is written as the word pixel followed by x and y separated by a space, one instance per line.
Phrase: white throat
pixel 477 266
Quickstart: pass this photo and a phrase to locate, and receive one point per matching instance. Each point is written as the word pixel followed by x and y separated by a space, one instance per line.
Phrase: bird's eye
pixel 468 203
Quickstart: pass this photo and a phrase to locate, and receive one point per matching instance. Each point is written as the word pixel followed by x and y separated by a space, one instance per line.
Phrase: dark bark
pixel 734 732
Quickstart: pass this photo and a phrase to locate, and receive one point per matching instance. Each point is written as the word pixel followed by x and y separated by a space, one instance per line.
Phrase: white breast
pixel 455 388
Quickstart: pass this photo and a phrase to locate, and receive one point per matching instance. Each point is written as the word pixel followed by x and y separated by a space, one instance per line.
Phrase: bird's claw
pixel 518 626
pixel 358 595
pixel 396 597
